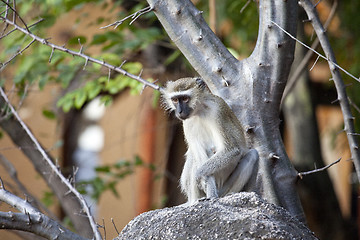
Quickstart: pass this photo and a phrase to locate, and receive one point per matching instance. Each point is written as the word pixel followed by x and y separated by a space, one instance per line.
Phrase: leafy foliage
pixel 110 175
pixel 33 66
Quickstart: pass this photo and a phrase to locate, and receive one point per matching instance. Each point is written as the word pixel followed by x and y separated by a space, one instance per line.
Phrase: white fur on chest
pixel 203 138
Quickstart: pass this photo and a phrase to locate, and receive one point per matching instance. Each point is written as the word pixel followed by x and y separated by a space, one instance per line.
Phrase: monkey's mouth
pixel 182 115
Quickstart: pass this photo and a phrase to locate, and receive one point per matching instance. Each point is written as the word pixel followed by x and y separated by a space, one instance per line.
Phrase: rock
pixel 237 216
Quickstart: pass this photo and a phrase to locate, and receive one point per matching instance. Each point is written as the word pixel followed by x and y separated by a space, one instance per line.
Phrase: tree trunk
pixel 252 87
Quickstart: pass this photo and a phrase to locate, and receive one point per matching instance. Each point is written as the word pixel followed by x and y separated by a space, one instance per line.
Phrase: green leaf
pixel 98 39
pixel 107 100
pixel 49 114
pixel 80 99
pixel 138 161
pixel 105 169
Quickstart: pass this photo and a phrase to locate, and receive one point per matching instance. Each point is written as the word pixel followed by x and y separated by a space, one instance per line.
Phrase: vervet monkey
pixel 217 160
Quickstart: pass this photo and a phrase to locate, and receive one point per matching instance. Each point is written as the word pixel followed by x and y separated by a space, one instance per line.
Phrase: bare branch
pixel 339 84
pixel 16 14
pixel 53 167
pixel 112 220
pixel 16 202
pixel 302 174
pixel 3 65
pixel 317 53
pixel 13 30
pixel 133 16
pixel 295 76
pixel 11 170
pixel 31 220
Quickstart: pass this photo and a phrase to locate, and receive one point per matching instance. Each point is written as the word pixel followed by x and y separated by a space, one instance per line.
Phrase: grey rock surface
pixel 237 216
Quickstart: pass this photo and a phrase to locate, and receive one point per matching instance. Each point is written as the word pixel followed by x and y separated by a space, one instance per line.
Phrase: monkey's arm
pixel 187 179
pixel 241 174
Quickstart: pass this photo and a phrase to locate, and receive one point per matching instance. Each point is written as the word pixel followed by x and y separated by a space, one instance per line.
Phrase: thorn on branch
pixel 86 63
pixel 144 86
pixel 109 75
pixel 244 7
pixel 317 3
pixel 51 55
pixel 112 220
pixel 306 20
pixel 81 46
pixel 122 64
pixel 336 100
pixel 273 156
pixel 225 83
pixel 302 174
pixel 2 184
pixel 316 60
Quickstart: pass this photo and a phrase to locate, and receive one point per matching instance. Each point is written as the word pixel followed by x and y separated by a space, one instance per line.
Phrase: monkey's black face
pixel 182 108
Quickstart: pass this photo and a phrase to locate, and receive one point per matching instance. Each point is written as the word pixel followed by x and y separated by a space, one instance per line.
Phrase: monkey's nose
pixel 182 115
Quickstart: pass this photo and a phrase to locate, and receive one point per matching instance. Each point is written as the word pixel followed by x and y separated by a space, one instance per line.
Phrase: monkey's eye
pixel 175 100
pixel 186 99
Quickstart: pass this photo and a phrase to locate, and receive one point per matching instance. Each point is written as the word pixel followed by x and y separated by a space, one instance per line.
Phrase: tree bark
pixel 252 87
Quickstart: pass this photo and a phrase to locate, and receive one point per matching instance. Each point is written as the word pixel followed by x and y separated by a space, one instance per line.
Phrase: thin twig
pixel 133 16
pixel 302 174
pixel 3 65
pixel 354 105
pixel 117 231
pixel 16 14
pixel 13 30
pixel 316 52
pixel 317 58
pixel 339 84
pixel 244 7
pixel 303 64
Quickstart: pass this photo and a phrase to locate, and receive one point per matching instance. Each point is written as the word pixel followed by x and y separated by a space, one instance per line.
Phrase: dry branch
pixel 300 68
pixel 46 160
pixel 302 174
pixel 133 16
pixel 339 84
pixel 31 220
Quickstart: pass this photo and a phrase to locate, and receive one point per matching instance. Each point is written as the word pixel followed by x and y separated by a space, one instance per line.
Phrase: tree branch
pixel 78 54
pixel 133 16
pixel 22 136
pixel 188 30
pixel 300 68
pixel 11 170
pixel 302 174
pixel 31 220
pixel 339 84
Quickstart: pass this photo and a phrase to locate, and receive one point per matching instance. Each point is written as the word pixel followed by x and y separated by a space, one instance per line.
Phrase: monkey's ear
pixel 200 82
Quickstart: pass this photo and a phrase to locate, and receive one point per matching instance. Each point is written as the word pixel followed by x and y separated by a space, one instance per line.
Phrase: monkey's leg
pixel 215 171
pixel 242 173
pixel 211 189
